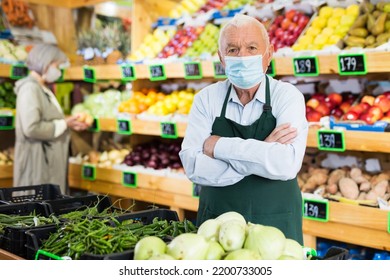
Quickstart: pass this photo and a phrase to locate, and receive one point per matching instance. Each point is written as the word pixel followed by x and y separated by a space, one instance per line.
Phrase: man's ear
pixel 270 53
pixel 221 58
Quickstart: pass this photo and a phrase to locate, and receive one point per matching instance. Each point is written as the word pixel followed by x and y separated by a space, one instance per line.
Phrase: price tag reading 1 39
pixel 331 140
pixel 317 210
pixel 352 64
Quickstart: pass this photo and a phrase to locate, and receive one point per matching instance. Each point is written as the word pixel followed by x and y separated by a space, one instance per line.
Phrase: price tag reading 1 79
pixel 306 66
pixel 331 140
pixel 352 64
pixel 316 209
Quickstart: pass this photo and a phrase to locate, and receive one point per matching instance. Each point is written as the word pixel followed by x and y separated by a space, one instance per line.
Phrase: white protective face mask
pixel 244 71
pixel 52 74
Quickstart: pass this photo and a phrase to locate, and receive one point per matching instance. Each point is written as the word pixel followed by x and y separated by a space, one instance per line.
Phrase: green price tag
pixel 18 71
pixel 219 70
pixel 193 70
pixel 89 74
pixel 317 210
pixel 95 127
pixel 128 72
pixel 7 122
pixel 129 179
pixel 124 127
pixel 331 140
pixel 168 130
pixel 157 72
pixel 271 71
pixel 352 64
pixel 88 172
pixel 196 190
pixel 61 78
pixel 306 66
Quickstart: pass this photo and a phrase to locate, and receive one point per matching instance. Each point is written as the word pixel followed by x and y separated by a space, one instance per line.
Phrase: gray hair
pixel 42 55
pixel 240 20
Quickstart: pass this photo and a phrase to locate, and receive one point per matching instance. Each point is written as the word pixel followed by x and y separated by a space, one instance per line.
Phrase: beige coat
pixel 39 157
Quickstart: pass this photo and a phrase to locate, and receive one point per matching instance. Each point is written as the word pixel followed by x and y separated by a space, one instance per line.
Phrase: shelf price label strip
pixel 317 210
pixel 352 64
pixel 129 179
pixel 193 71
pixel 330 140
pixel 88 172
pixel 124 127
pixel 7 122
pixel 169 130
pixel 306 66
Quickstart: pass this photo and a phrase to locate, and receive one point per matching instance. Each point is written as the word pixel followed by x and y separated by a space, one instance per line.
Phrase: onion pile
pixel 227 237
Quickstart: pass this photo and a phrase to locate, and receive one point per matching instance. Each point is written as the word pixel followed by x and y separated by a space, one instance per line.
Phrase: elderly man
pixel 246 136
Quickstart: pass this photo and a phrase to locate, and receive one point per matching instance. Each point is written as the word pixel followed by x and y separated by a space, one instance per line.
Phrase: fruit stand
pixel 355 224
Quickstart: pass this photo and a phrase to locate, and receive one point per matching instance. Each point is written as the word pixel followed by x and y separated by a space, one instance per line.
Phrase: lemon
pixel 352 10
pixel 319 22
pixel 320 40
pixel 299 47
pixel 313 31
pixel 326 12
pixel 334 39
pixel 347 20
pixel 338 12
pixel 306 39
pixel 341 31
pixel 327 31
pixel 333 22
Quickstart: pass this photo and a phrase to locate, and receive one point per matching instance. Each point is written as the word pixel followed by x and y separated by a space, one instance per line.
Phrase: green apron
pixel 260 200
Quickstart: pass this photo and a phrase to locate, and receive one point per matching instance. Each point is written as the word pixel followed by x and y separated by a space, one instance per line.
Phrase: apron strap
pixel 223 112
pixel 267 106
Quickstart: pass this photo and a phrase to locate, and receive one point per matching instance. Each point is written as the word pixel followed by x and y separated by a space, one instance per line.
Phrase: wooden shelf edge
pixel 66 3
pixel 5 255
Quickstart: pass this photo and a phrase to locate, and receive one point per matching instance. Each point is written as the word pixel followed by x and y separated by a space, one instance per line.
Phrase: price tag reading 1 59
pixel 316 209
pixel 331 140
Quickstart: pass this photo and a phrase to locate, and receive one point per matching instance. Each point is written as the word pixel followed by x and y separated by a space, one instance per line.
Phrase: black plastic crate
pixel 34 238
pixel 31 193
pixel 14 239
pixel 67 205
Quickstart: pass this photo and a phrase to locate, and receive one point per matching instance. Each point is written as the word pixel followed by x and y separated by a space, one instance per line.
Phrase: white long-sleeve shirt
pixel 236 158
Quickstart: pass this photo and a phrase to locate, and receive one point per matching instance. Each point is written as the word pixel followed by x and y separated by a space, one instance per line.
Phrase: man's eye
pixel 252 48
pixel 232 50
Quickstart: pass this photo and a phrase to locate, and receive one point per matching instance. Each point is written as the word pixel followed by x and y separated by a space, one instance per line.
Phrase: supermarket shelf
pixel 5 255
pixel 358 141
pixel 5 70
pixel 6 176
pixel 354 224
pixel 67 3
pixel 140 127
pixel 174 192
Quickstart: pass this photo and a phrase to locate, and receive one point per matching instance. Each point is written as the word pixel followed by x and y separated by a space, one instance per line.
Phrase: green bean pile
pixel 99 237
pixel 24 221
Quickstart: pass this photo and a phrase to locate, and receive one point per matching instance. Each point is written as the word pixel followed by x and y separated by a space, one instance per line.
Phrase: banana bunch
pixel 372 28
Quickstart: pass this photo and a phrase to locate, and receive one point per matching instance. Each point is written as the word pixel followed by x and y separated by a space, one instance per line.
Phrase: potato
pixel 381 188
pixel 335 176
pixel 348 188
pixel 332 189
pixel 357 175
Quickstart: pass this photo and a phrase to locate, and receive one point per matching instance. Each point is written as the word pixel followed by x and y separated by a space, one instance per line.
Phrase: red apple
pixel 337 113
pixel 313 103
pixel 309 109
pixel 335 98
pixel 386 119
pixel 383 103
pixel 365 106
pixel 319 96
pixel 290 14
pixel 323 109
pixel 350 116
pixel 367 118
pixel 388 114
pixel 314 116
pixel 359 108
pixel 376 113
pixel 387 94
pixel 368 99
pixel 285 23
pixel 345 106
pixel 279 33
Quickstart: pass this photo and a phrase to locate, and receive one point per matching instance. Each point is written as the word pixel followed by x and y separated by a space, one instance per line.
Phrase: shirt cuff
pixel 59 127
pixel 222 148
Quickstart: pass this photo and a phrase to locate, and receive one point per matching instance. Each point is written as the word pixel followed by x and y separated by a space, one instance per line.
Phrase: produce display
pixel 23 221
pixel 155 155
pixel 348 182
pixel 372 27
pixel 186 7
pixel 7 96
pixel 17 13
pixel 105 159
pixel 286 29
pixel 328 28
pixel 227 237
pixel 206 44
pixel 10 53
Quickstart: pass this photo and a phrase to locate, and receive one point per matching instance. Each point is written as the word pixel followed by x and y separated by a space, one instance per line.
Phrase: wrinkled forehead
pixel 242 35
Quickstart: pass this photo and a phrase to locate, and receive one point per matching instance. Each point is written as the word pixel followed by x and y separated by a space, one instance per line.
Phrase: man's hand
pixel 209 145
pixel 283 134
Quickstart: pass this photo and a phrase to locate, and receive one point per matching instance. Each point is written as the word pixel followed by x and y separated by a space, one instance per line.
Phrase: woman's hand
pixel 73 123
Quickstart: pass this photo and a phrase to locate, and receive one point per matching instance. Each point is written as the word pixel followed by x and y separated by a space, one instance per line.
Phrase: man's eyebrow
pixel 253 43
pixel 231 45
